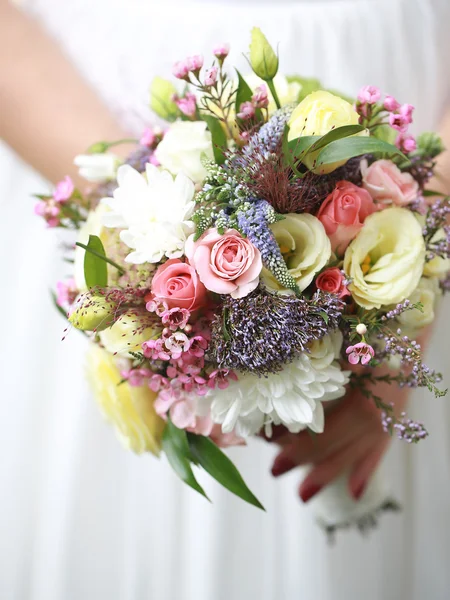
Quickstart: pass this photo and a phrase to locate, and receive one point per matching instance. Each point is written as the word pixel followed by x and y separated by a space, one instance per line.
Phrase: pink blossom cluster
pixel 260 99
pixel 187 104
pixel 50 207
pixel 399 115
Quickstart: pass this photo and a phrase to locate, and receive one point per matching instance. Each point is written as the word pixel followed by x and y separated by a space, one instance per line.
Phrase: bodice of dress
pixel 399 45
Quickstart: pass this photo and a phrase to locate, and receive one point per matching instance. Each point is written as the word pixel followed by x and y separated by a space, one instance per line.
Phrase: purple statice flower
pixel 406 429
pixel 253 220
pixel 263 331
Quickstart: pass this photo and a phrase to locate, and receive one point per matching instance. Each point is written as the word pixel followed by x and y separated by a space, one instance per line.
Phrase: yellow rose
pixel 305 247
pixel 427 293
pixel 129 409
pixel 317 114
pixel 385 261
pixel 437 266
pixel 127 334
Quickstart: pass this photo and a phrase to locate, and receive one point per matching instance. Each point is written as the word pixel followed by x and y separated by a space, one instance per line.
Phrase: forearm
pixel 48 112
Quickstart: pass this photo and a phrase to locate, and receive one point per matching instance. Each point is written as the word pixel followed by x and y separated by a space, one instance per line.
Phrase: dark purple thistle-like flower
pixel 263 331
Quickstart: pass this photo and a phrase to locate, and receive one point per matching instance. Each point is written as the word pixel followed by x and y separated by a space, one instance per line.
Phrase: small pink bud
pixel 406 143
pixel 181 69
pixel 221 51
pixel 398 122
pixel 211 77
pixel 406 111
pixel 391 104
pixel 369 94
pixel 148 137
pixel 195 63
pixel 64 189
pixel 247 111
pixel 260 98
pixel 187 104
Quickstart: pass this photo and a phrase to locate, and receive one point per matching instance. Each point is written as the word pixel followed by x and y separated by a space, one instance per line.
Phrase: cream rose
pixel 305 247
pixel 385 261
pixel 130 409
pixel 182 147
pixel 427 293
pixel 437 266
pixel 317 114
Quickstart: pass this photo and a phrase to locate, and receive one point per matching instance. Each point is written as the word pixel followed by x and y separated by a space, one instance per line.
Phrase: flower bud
pixel 361 329
pixel 92 313
pixel 430 143
pixel 263 59
pixel 161 94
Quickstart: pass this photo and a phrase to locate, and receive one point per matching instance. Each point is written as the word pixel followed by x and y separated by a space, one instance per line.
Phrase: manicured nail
pixel 282 465
pixel 359 491
pixel 309 492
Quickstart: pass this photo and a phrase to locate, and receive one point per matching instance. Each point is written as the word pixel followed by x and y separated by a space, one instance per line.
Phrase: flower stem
pixel 274 92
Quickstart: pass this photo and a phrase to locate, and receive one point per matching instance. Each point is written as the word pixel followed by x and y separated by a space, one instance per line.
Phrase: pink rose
pixel 344 212
pixel 387 184
pixel 332 281
pixel 226 264
pixel 177 284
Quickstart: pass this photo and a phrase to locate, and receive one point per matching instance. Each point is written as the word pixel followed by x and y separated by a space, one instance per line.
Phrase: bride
pixel 83 519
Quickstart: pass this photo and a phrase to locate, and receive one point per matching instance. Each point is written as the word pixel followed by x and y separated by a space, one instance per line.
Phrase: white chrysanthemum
pixel 292 398
pixel 153 210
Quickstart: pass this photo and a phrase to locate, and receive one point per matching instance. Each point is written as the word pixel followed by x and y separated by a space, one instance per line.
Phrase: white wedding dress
pixel 81 518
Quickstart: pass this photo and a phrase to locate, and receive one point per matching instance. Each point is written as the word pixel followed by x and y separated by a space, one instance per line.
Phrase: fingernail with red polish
pixel 309 492
pixel 281 466
pixel 359 491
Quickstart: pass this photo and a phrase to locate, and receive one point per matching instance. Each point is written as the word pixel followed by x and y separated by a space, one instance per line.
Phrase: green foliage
pixel 344 149
pixel 219 138
pixel 95 267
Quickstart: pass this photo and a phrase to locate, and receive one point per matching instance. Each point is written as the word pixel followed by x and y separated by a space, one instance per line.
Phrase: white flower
pixel 153 212
pixel 182 147
pixel 427 293
pixel 97 167
pixel 292 397
pixel 437 266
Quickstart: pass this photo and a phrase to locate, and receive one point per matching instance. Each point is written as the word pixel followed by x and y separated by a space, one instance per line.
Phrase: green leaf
pixel 101 256
pixel 219 466
pixel 346 148
pixel 431 193
pixel 244 92
pixel 219 138
pixel 57 306
pixel 288 156
pixel 175 446
pixel 312 143
pixel 95 269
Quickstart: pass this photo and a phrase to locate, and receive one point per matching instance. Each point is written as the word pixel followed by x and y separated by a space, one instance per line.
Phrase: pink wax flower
pixel 226 264
pixel 210 76
pixel 66 292
pixel 332 281
pixel 195 63
pixel 148 137
pixel 187 104
pixel 391 104
pixel 220 378
pixel 198 346
pixel 246 111
pixel 181 69
pixel 343 213
pixel 369 94
pixel 388 185
pixel 360 352
pixel 63 189
pixel 157 382
pixel 260 98
pixel 156 350
pixel 406 111
pixel 406 143
pixel 177 343
pixel 177 285
pixel 398 122
pixel 175 318
pixel 221 51
pixel 136 377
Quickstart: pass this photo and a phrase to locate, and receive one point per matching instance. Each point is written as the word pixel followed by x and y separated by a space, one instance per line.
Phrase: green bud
pixel 430 144
pixel 93 313
pixel 263 59
pixel 99 148
pixel 161 94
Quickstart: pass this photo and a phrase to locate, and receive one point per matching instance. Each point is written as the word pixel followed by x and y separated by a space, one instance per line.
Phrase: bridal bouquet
pixel 229 273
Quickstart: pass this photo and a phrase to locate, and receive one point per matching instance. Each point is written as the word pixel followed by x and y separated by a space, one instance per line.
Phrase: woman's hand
pixel 353 440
